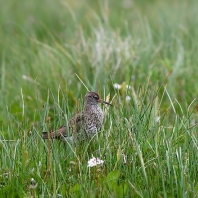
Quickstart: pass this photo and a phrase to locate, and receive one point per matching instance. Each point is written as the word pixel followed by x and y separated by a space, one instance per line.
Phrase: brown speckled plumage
pixel 84 124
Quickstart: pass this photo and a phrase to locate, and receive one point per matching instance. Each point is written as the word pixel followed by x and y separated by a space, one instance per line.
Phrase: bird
pixel 84 124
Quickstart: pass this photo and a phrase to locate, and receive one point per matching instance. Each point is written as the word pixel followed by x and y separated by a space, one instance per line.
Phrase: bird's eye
pixel 96 97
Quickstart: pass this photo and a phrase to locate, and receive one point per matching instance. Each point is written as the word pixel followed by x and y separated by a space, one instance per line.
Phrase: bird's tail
pixel 48 135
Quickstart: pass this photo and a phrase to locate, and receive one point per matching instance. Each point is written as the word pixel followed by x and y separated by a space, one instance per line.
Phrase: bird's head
pixel 93 98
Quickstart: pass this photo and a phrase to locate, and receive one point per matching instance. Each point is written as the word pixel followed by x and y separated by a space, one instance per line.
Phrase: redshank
pixel 84 124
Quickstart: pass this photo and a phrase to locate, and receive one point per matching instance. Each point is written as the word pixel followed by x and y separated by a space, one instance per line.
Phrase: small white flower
pixel 128 86
pixel 30 79
pixel 116 86
pixel 94 162
pixel 157 118
pixel 25 77
pixel 128 98
pixel 33 184
pixel 32 180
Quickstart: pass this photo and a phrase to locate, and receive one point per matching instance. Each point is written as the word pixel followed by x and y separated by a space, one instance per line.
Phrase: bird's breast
pixel 95 116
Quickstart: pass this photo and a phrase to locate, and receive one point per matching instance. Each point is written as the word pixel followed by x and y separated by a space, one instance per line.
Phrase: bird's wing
pixel 80 121
pixel 75 125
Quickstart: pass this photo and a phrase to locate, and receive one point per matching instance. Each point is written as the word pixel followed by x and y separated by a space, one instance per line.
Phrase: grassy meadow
pixel 52 52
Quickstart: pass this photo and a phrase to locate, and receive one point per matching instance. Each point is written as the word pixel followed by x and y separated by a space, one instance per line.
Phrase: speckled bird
pixel 84 124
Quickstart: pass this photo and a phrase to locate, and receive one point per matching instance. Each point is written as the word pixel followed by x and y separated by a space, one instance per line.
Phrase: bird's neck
pixel 89 107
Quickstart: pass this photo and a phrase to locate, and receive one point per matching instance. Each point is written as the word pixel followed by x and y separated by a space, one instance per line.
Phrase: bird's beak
pixel 102 101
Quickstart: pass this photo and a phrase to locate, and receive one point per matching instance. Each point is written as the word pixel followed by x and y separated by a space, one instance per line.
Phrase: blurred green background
pixel 44 43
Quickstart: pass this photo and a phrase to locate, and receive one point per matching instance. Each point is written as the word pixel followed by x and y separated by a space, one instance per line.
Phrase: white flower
pixel 30 79
pixel 157 118
pixel 32 180
pixel 116 86
pixel 94 162
pixel 128 98
pixel 128 86
pixel 33 184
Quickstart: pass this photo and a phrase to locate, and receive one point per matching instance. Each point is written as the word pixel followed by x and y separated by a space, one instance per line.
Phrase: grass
pixel 149 144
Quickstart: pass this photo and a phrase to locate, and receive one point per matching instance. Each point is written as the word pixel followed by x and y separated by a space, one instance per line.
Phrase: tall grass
pixel 49 51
